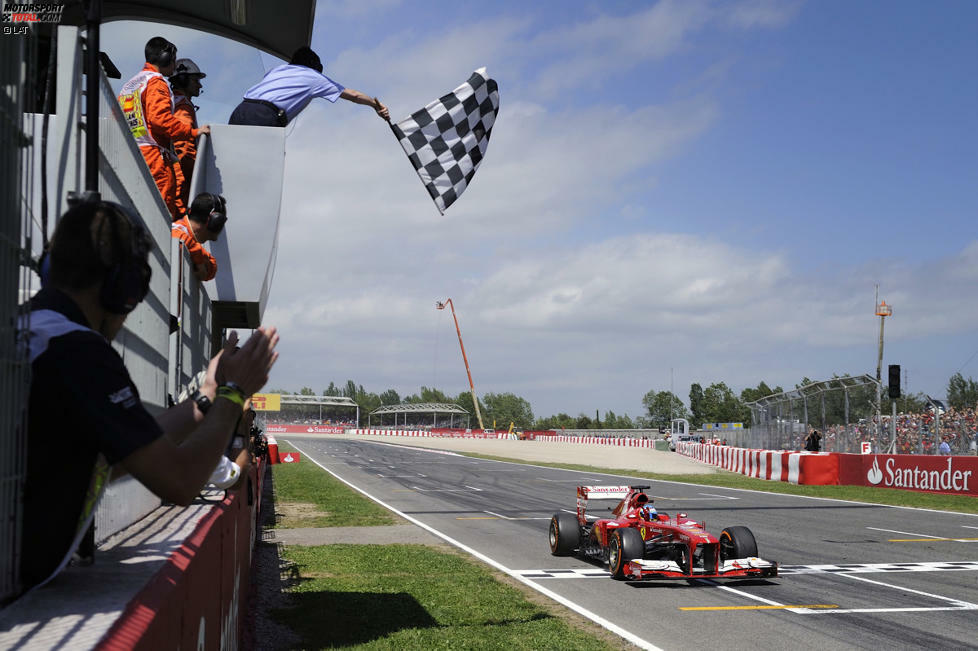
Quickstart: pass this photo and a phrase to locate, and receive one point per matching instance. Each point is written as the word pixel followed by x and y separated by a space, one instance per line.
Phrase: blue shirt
pixel 291 88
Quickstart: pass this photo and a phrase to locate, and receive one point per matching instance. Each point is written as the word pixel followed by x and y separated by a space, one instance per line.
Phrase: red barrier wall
pixel 198 599
pixel 922 473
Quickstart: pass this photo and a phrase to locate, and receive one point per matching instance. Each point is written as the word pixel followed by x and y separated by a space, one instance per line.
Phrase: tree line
pixel 715 403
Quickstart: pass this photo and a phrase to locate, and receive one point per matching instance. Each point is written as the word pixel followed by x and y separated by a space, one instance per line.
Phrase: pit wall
pixel 199 598
pixel 950 475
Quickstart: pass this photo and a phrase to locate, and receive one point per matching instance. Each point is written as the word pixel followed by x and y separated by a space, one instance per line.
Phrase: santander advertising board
pixel 923 473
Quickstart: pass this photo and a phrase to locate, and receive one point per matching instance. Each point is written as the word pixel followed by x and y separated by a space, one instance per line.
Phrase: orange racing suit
pixel 186 150
pixel 199 256
pixel 148 110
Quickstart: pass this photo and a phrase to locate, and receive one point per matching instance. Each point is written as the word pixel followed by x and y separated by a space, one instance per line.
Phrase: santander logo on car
pixel 895 474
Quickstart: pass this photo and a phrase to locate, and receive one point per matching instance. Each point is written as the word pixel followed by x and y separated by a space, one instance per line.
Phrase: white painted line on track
pixel 478 490
pixel 968 526
pixel 905 533
pixel 957 603
pixel 580 610
pixel 586 515
pixel 722 497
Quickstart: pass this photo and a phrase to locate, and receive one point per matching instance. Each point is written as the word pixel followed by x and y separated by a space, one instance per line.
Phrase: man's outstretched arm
pixel 357 97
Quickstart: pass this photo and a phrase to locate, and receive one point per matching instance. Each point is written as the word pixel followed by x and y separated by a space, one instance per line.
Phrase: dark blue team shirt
pixel 82 404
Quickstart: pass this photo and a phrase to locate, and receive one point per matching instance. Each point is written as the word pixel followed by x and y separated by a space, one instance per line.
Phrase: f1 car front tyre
pixel 737 542
pixel 624 544
pixel 565 534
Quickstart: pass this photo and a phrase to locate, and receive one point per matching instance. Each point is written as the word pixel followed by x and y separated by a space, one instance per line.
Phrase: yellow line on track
pixel 756 607
pixel 933 540
pixel 484 517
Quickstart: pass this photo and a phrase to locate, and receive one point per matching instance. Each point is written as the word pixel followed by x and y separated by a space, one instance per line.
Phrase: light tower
pixel 475 401
pixel 882 311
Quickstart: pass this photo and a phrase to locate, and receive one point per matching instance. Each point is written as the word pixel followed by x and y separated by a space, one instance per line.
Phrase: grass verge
pixel 307 496
pixel 888 496
pixel 415 597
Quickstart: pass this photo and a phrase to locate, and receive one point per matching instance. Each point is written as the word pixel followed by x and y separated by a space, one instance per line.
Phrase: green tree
pixel 464 400
pixel 332 390
pixel 583 422
pixel 306 391
pixel 557 422
pixel 662 407
pixel 961 393
pixel 390 397
pixel 506 408
pixel 762 390
pixel 696 405
pixel 721 405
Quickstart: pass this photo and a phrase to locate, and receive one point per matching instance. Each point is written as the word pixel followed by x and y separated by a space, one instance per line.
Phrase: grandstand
pixel 421 414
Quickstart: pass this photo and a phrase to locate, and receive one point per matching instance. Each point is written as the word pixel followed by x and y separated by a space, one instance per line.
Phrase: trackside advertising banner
pixel 304 429
pixel 930 474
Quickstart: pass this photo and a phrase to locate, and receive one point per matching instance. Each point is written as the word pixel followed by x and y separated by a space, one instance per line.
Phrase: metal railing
pixel 843 409
pixel 17 60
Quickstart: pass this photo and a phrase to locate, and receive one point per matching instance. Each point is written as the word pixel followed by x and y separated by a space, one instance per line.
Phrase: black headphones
pixel 167 56
pixel 127 278
pixel 126 281
pixel 218 214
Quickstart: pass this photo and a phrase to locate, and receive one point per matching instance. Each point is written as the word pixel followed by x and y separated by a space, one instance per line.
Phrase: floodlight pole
pixel 882 311
pixel 475 401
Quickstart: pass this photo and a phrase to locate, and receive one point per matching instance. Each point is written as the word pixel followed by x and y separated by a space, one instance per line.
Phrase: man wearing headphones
pixel 186 85
pixel 203 223
pixel 147 107
pixel 85 416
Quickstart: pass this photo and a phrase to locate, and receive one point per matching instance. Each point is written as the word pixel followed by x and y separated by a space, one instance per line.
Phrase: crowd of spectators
pixel 916 433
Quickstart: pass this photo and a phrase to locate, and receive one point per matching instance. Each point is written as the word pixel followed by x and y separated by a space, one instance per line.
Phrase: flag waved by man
pixel 447 139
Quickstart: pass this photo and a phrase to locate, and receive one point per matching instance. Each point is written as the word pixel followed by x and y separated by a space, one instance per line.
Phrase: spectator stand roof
pixel 433 408
pixel 293 400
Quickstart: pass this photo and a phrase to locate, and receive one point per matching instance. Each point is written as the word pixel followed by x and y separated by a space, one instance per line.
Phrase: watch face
pixel 203 403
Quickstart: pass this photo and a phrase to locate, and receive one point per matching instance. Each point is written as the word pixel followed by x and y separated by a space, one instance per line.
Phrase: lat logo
pixel 124 397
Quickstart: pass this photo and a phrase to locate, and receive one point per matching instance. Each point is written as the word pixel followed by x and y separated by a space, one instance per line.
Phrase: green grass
pixel 890 496
pixel 415 597
pixel 308 496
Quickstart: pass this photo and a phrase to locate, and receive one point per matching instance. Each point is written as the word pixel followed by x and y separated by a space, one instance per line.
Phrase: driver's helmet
pixel 649 512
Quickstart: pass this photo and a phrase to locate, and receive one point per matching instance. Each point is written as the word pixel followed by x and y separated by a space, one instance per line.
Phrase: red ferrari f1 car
pixel 639 543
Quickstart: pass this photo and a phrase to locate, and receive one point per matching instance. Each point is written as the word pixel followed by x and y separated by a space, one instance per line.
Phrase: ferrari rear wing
pixel 585 493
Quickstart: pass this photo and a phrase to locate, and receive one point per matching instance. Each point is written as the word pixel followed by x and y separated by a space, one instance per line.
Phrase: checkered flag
pixel 447 139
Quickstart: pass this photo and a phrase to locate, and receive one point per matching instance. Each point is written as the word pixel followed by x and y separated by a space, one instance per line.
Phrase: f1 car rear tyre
pixel 624 544
pixel 737 542
pixel 565 534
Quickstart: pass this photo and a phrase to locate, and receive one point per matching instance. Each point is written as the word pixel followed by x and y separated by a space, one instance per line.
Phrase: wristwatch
pixel 203 403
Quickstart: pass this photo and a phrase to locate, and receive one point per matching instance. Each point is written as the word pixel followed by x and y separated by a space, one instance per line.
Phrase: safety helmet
pixel 187 67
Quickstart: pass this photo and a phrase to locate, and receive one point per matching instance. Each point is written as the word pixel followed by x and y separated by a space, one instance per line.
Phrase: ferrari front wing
pixel 751 567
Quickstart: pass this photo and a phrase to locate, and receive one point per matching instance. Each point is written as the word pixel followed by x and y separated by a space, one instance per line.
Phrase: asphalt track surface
pixel 853 575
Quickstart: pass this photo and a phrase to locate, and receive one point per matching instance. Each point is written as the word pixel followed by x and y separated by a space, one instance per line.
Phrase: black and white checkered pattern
pixel 447 139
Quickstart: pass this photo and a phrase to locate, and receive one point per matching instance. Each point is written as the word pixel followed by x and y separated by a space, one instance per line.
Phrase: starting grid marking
pixel 784 570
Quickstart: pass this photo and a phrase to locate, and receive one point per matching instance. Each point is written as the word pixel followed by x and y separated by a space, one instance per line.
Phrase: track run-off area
pixel 853 575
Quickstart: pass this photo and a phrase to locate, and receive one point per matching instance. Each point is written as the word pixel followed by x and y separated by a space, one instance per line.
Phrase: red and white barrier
pixel 811 468
pixel 618 441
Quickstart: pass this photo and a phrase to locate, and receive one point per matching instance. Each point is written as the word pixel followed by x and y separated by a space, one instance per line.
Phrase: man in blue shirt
pixel 287 89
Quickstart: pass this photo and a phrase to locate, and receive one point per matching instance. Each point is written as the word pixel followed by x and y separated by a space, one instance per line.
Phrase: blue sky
pixel 710 187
